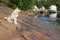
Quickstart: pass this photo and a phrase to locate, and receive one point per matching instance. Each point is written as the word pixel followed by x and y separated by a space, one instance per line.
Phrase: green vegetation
pixel 38 3
pixel 29 4
pixel 22 4
pixel 26 4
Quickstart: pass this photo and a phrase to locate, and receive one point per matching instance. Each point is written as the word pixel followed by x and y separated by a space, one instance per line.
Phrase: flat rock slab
pixel 27 28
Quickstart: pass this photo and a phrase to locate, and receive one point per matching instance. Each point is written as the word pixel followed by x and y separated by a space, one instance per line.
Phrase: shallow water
pixel 55 22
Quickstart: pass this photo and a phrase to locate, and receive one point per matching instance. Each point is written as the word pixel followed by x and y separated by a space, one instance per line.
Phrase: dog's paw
pixel 11 21
pixel 16 23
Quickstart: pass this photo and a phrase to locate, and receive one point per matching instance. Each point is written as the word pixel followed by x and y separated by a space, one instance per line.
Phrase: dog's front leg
pixel 15 20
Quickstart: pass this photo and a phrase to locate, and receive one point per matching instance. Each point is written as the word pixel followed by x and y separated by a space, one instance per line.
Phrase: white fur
pixel 13 16
pixel 53 7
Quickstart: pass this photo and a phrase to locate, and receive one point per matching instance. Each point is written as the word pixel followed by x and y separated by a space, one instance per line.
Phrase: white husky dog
pixel 13 16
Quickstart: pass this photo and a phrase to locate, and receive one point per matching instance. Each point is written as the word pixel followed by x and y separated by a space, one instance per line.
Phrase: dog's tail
pixel 5 17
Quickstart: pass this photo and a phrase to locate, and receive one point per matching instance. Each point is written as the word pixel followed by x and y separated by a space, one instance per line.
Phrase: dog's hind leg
pixel 9 19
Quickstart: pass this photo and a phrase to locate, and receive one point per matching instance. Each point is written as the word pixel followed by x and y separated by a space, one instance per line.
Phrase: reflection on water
pixel 48 20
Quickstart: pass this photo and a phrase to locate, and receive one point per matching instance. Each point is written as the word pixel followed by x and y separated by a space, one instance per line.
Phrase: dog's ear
pixel 17 8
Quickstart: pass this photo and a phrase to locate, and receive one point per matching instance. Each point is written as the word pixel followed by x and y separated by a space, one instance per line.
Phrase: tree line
pixel 29 4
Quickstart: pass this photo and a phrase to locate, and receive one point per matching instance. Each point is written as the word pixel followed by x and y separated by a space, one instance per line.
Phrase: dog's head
pixel 17 10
